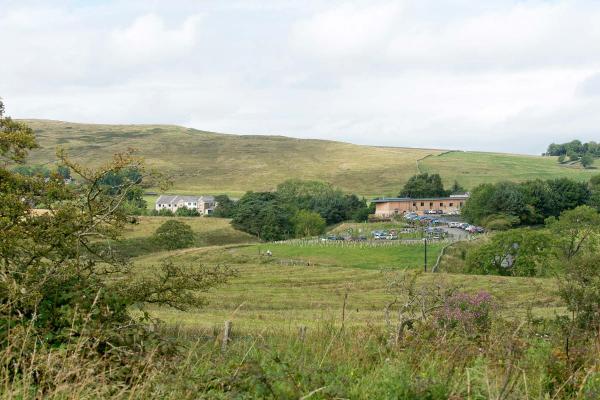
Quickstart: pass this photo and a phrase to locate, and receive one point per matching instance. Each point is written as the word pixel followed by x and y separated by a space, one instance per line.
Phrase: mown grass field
pixel 270 293
pixel 211 163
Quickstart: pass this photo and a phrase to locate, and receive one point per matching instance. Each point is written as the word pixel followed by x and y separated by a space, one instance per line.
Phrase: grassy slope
pixel 473 168
pixel 211 231
pixel 268 295
pixel 208 162
pixel 203 162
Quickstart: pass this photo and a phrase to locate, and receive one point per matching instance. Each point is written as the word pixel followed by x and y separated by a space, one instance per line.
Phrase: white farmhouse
pixel 204 204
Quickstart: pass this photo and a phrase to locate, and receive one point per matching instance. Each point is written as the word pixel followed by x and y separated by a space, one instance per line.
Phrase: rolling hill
pixel 206 162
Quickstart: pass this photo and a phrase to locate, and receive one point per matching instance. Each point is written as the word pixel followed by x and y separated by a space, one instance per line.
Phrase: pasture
pixel 270 293
pixel 202 162
pixel 473 168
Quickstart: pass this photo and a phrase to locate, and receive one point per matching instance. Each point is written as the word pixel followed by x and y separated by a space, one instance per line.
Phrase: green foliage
pixel 457 188
pixel 587 160
pixel 576 231
pixel 225 207
pixel 518 252
pixel 308 223
pixel 424 185
pixel 264 215
pixel 580 290
pixel 187 212
pixel 62 287
pixel 500 222
pixel 531 202
pixel 562 158
pixel 575 150
pixel 16 138
pixel 174 235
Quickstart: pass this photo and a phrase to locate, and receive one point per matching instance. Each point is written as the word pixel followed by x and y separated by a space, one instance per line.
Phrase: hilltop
pixel 208 162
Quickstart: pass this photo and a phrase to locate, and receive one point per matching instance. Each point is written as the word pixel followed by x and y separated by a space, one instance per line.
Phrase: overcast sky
pixel 493 75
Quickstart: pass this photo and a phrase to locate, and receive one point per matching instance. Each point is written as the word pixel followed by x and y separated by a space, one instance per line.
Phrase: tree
pixel 265 215
pixel 62 285
pixel 308 223
pixel 174 234
pixel 566 194
pixel 587 160
pixel 457 188
pixel 424 185
pixel 16 138
pixel 225 207
pixel 580 289
pixel 64 171
pixel 562 158
pixel 575 230
pixel 594 186
pixel 518 252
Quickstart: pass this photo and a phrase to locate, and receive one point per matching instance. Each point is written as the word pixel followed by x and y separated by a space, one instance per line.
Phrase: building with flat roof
pixel 389 206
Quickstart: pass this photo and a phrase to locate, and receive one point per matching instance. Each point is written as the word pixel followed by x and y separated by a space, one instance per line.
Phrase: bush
pixel 471 313
pixel 174 234
pixel 517 252
pixel 500 222
pixel 187 212
pixel 308 224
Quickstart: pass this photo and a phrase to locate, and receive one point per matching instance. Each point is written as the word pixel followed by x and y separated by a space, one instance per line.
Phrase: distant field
pixel 211 163
pixel 396 256
pixel 473 168
pixel 211 231
pixel 269 295
pixel 205 162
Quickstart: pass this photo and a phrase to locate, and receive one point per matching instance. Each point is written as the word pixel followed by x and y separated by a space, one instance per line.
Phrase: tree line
pixel 298 208
pixel 575 150
pixel 507 204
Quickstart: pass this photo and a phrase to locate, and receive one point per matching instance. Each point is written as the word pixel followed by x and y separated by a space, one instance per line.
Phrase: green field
pixel 473 168
pixel 269 295
pixel 211 163
pixel 305 283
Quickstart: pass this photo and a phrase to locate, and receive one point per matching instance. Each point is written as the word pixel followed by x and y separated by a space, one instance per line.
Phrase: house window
pixel 451 204
pixel 431 204
pixel 414 203
pixel 441 204
pixel 422 204
pixel 461 203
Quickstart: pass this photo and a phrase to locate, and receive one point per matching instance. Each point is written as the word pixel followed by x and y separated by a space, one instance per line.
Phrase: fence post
pixel 226 335
pixel 302 333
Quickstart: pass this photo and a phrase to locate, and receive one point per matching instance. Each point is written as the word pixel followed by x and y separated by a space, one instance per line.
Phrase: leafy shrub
pixel 500 222
pixel 517 252
pixel 470 313
pixel 187 212
pixel 174 234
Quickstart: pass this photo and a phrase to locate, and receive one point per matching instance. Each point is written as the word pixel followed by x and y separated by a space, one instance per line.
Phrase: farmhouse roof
pixel 174 199
pixel 395 199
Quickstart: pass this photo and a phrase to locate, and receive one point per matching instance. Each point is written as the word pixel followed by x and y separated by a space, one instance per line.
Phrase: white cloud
pixel 147 39
pixel 495 75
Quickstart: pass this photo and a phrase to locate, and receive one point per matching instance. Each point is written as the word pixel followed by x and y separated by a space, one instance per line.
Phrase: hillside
pixel 206 162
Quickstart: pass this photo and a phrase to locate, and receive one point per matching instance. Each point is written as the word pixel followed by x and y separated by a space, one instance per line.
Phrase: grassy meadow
pixel 212 163
pixel 473 168
pixel 306 283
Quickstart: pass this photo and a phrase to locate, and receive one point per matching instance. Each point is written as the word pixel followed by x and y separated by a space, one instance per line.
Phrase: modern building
pixel 389 206
pixel 204 204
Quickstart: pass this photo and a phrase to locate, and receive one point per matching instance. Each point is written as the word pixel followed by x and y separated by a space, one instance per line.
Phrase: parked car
pixel 453 224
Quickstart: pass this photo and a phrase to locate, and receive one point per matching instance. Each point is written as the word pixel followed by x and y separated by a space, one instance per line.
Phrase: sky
pixel 494 75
